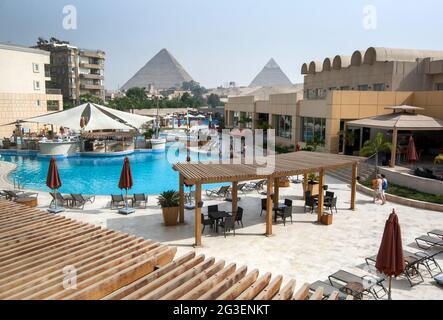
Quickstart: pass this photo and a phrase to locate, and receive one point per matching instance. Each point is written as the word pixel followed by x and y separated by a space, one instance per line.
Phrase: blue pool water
pixel 152 173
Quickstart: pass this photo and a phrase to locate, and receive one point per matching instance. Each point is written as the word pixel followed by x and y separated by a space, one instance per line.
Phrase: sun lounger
pixel 80 200
pixel 140 198
pixel 14 194
pixel 358 286
pixel 220 192
pixel 427 242
pixel 117 200
pixel 412 263
pixel 255 186
pixel 327 290
pixel 62 200
pixel 436 232
pixel 439 279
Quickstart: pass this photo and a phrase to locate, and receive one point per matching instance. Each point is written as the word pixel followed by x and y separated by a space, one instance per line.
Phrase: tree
pixel 316 141
pixel 138 97
pixel 375 146
pixel 120 103
pixel 214 100
pixel 87 97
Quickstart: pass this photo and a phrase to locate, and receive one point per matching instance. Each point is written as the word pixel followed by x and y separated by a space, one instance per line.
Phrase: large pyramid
pixel 271 75
pixel 162 72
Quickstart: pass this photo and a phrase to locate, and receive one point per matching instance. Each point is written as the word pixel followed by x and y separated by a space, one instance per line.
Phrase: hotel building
pixel 23 93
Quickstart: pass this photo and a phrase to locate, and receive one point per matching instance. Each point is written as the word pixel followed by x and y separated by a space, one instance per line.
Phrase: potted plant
pixel 169 201
pixel 313 184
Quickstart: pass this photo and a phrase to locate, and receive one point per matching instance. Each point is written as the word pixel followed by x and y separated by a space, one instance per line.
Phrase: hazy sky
pixel 224 40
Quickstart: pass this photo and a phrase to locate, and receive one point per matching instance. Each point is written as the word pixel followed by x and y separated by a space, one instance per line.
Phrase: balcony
pixel 53 91
pixel 91 76
pixel 92 54
pixel 90 66
pixel 91 86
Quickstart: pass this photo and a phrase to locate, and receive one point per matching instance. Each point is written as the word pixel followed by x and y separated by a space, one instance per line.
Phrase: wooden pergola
pixel 289 164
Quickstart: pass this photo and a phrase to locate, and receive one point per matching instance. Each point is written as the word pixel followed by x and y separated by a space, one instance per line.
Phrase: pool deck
pixel 303 250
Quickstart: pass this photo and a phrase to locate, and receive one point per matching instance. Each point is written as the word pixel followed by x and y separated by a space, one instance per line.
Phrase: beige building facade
pixel 23 94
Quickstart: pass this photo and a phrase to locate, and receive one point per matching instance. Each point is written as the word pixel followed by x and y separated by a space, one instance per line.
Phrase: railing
pixel 53 91
pixel 18 185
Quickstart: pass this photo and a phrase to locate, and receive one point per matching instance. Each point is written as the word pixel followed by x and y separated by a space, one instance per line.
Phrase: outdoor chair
pixel 80 200
pixel 3 194
pixel 213 208
pixel 288 202
pixel 436 232
pixel 15 194
pixel 220 192
pixel 285 213
pixel 62 200
pixel 358 286
pixel 329 194
pixel 140 198
pixel 256 186
pixel 426 242
pixel 264 205
pixel 331 203
pixel 239 216
pixel 327 290
pixel 309 202
pixel 206 222
pixel 429 262
pixel 228 224
pixel 117 200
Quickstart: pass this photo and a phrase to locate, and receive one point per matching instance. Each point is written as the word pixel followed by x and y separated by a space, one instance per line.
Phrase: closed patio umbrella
pixel 126 183
pixel 390 260
pixel 54 182
pixel 411 153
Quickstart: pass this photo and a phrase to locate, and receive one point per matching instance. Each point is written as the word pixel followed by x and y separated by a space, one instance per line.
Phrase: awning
pixel 100 121
pixel 131 119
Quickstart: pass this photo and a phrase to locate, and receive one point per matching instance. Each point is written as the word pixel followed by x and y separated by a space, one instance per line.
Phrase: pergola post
pixel 345 129
pixel 269 207
pixel 305 185
pixel 320 195
pixel 276 191
pixel 354 186
pixel 234 197
pixel 198 210
pixel 394 147
pixel 182 198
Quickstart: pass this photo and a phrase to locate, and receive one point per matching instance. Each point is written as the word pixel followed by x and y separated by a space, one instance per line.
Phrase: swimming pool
pixel 152 172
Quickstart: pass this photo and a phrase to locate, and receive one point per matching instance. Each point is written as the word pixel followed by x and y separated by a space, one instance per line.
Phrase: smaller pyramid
pixel 270 76
pixel 163 71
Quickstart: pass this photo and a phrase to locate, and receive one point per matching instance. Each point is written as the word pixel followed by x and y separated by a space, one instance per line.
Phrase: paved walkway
pixel 303 250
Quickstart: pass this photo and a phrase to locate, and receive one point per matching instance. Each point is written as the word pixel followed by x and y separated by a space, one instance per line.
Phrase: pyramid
pixel 271 75
pixel 163 71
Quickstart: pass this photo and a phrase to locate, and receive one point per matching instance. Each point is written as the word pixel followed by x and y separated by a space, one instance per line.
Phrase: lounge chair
pixel 80 200
pixel 439 279
pixel 412 262
pixel 285 213
pixel 327 290
pixel 429 262
pixel 117 200
pixel 358 286
pixel 14 194
pixel 140 198
pixel 256 186
pixel 427 242
pixel 436 232
pixel 220 192
pixel 62 200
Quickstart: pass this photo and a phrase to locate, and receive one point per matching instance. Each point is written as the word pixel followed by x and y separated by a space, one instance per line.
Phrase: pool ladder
pixel 18 185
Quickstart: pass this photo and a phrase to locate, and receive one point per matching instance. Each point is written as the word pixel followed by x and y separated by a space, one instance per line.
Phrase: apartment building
pixel 346 88
pixel 75 71
pixel 23 94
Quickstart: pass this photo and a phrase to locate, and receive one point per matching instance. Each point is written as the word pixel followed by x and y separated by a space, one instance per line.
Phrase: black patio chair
pixel 288 202
pixel 228 224
pixel 331 203
pixel 264 205
pixel 239 216
pixel 329 195
pixel 140 198
pixel 285 213
pixel 117 200
pixel 309 202
pixel 206 222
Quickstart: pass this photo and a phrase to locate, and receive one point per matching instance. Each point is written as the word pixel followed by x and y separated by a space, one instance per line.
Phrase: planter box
pixel 313 188
pixel 170 216
pixel 326 219
pixel 283 183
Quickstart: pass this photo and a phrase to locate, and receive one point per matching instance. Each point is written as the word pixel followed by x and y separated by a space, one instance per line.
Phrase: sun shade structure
pixel 111 265
pixel 99 118
pixel 284 165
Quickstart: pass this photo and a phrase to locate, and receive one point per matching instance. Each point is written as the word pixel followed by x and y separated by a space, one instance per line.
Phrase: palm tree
pixel 378 144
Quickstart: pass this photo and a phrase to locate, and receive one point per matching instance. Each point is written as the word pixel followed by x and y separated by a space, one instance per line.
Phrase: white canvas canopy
pixel 99 118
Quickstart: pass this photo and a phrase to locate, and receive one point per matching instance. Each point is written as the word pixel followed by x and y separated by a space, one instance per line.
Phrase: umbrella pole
pixel 126 200
pixel 55 199
pixel 389 293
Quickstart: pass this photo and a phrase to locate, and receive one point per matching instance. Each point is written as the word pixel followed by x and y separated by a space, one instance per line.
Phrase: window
pixel 313 127
pixel 345 88
pixel 35 67
pixel 313 94
pixel 235 118
pixel 38 103
pixel 36 85
pixel 283 126
pixel 379 87
pixel 439 87
pixel 363 87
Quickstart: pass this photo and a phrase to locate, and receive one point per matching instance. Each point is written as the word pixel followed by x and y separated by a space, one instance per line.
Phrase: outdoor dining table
pixel 218 215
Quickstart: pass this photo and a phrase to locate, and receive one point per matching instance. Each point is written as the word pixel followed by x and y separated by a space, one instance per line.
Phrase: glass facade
pixel 283 126
pixel 311 127
pixel 379 87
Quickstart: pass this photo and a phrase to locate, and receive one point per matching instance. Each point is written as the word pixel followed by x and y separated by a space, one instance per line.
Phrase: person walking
pixel 384 188
pixel 377 187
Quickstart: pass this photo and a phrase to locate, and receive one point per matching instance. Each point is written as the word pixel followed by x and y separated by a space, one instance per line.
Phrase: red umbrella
pixel 390 260
pixel 411 154
pixel 54 182
pixel 125 181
